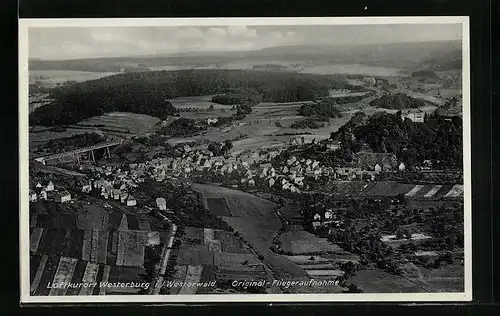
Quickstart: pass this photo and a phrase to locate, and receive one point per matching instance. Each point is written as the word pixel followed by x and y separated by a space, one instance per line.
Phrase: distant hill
pixel 446 60
pixel 397 101
pixel 92 65
pixel 452 107
pixel 437 54
pixel 427 75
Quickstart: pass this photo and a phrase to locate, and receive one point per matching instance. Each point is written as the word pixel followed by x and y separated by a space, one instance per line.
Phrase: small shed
pixel 161 203
pixel 62 197
pixel 131 201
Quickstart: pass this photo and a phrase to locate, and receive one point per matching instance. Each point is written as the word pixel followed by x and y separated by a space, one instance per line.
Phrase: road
pixel 156 285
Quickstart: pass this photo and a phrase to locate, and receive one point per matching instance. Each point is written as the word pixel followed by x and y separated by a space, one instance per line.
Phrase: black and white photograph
pixel 237 159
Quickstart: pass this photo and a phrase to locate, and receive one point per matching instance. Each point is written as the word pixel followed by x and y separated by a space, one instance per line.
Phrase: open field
pixel 131 248
pixel 257 223
pixel 216 255
pixel 194 235
pixel 218 206
pixel 299 242
pixel 391 188
pixel 93 217
pixel 123 248
pixel 114 125
pixel 202 102
pixel 325 273
pixel 250 207
pixel 35 237
pixel 54 77
pixel 260 127
pixel 235 259
pixel 63 274
pixel 53 269
pixel 375 280
pixel 388 188
pixel 449 278
pixel 193 275
pixel 229 243
pixel 122 122
pixel 180 276
pixel 195 255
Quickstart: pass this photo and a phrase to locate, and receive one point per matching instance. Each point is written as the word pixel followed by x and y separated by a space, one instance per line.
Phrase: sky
pixel 95 42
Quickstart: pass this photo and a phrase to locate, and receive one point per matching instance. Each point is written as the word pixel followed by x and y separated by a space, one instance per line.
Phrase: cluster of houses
pixel 369 165
pixel 115 190
pixel 250 169
pixel 46 190
pixel 114 183
pixel 326 218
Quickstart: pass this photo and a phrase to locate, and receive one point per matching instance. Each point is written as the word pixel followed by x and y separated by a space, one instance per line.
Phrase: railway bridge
pixel 79 151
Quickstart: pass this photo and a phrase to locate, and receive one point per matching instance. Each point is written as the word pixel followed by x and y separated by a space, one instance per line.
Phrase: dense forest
pixel 439 139
pixel 76 141
pixel 147 92
pixel 77 102
pixel 183 127
pixel 238 96
pixel 397 101
pixel 325 108
pixel 307 123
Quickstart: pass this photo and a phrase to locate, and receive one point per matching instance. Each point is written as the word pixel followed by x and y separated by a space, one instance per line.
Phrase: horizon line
pixel 178 54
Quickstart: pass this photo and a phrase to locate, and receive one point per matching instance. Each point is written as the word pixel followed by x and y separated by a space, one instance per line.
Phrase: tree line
pixel 148 92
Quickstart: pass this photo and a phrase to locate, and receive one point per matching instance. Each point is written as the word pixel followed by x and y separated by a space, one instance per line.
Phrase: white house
pixel 415 115
pixel 49 187
pixel 271 182
pixel 87 188
pixel 402 166
pixel 378 168
pixel 62 197
pixel 43 195
pixel 316 224
pixel 153 238
pixel 317 217
pixel 115 193
pixel 212 121
pixel 123 197
pixel 33 196
pixel 328 214
pixel 131 201
pixel 161 203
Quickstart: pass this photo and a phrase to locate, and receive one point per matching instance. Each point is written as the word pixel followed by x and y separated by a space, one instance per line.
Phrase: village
pixel 290 173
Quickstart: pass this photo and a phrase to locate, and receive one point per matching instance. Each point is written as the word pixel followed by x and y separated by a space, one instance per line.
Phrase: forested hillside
pixel 147 92
pixel 438 139
pixel 397 101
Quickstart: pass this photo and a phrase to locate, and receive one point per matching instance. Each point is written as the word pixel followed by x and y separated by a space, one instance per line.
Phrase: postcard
pixel 245 160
